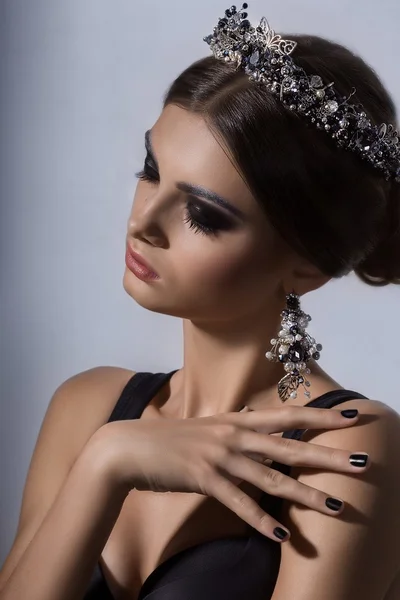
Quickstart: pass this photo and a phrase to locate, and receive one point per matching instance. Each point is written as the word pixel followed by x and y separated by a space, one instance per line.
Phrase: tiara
pixel 266 58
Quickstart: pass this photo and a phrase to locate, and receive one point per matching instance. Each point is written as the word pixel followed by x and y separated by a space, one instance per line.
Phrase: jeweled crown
pixel 266 58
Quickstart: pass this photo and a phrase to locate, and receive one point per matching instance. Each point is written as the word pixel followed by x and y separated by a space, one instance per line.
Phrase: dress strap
pixel 137 393
pixel 328 400
pixel 271 504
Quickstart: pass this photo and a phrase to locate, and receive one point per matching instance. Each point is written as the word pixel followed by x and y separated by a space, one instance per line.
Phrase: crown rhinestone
pixel 267 59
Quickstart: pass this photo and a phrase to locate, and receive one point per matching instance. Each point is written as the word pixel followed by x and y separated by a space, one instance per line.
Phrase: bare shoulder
pixel 357 554
pixel 377 431
pixel 370 406
pixel 88 398
pixel 78 407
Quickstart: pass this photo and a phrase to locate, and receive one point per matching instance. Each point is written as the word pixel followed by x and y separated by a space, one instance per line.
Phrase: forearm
pixel 59 561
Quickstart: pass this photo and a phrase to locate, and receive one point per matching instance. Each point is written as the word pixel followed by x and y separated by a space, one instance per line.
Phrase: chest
pixel 152 527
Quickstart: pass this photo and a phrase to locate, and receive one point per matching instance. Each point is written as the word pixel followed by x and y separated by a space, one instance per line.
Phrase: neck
pixel 225 368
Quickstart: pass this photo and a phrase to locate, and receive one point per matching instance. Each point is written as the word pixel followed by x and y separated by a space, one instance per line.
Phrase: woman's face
pixel 214 263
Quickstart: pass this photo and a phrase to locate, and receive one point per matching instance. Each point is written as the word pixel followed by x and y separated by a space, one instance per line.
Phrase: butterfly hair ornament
pixel 266 58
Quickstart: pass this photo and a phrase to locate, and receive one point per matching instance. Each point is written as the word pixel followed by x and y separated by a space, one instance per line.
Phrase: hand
pixel 211 455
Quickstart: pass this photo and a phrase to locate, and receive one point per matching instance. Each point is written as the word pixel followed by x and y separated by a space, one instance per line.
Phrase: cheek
pixel 220 268
pixel 223 279
pixel 138 198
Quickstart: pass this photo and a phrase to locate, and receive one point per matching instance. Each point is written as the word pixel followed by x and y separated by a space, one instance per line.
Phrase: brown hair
pixel 327 203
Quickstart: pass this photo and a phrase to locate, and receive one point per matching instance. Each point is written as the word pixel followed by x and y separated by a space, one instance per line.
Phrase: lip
pixel 138 265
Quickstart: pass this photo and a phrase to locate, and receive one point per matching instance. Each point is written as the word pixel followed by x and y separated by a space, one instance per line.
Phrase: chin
pixel 146 295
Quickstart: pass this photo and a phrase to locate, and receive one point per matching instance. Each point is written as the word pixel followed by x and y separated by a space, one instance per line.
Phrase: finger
pixel 246 508
pixel 298 453
pixel 285 418
pixel 276 483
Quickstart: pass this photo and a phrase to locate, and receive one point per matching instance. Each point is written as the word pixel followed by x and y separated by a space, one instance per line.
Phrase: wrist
pixel 99 458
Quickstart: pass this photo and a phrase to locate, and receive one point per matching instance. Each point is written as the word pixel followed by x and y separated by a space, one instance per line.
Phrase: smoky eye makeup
pixel 196 190
pixel 202 211
pixel 199 214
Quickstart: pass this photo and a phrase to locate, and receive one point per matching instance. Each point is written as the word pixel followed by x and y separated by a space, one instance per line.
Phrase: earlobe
pixel 305 278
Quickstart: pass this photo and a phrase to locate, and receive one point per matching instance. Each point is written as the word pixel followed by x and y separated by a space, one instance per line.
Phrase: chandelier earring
pixel 294 347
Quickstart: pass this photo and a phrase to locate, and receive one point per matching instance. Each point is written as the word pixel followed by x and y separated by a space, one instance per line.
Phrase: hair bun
pixel 382 266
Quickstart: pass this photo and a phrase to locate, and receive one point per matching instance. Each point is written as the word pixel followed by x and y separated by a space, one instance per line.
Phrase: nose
pixel 148 220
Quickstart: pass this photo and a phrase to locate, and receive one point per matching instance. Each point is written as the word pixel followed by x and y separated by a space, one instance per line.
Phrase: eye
pixel 205 221
pixel 148 173
pixel 196 226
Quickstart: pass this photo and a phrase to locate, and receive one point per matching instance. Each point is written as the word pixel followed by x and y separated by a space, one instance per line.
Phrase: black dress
pixel 231 568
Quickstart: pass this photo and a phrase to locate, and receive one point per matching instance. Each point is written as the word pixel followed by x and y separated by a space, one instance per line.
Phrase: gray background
pixel 80 83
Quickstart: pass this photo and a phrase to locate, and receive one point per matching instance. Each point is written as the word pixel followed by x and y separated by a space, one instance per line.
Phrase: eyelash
pixel 145 175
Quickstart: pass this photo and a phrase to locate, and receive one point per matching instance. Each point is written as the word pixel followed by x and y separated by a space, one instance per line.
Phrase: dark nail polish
pixel 358 460
pixel 280 533
pixel 333 503
pixel 350 413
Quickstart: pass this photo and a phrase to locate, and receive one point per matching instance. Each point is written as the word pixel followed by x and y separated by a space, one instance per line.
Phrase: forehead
pixel 185 147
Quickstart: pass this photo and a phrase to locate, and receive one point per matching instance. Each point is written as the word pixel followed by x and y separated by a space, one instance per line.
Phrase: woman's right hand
pixel 212 455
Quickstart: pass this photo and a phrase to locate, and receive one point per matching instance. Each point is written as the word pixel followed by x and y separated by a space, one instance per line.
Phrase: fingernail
pixel 350 413
pixel 358 460
pixel 280 533
pixel 333 503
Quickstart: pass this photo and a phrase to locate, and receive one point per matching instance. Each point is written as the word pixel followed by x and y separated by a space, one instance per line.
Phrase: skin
pixel 229 288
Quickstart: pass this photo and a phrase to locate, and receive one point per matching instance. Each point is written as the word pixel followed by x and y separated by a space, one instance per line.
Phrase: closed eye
pixel 200 217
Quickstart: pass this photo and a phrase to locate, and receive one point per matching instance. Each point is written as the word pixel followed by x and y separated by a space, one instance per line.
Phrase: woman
pixel 244 206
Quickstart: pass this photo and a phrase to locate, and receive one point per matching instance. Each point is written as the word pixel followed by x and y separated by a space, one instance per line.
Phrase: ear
pixel 305 277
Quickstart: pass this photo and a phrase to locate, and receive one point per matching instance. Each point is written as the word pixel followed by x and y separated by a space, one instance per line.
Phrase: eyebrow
pixel 197 190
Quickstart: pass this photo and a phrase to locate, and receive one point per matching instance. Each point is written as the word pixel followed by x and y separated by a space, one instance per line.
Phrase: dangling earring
pixel 294 347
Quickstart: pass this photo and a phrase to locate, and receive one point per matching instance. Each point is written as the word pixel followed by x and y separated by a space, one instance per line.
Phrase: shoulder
pixel 377 432
pixel 77 408
pixel 377 428
pixel 357 553
pixel 88 397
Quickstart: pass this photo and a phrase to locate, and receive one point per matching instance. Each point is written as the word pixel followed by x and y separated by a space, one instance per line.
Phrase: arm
pixel 357 554
pixel 59 561
pixel 67 505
